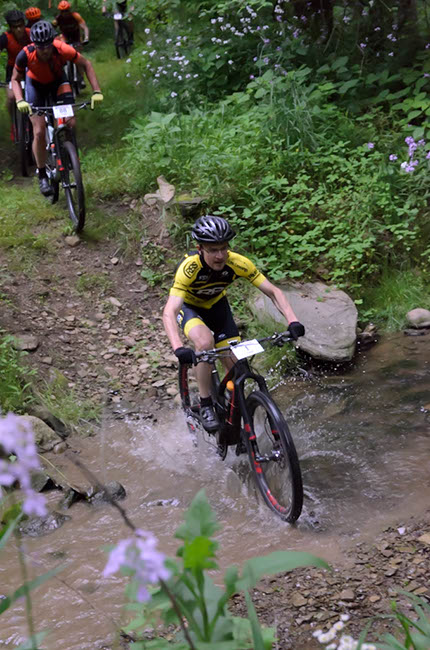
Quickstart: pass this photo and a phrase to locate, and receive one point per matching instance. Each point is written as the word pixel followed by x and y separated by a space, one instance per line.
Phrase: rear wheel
pixel 72 75
pixel 121 41
pixel 273 458
pixel 73 186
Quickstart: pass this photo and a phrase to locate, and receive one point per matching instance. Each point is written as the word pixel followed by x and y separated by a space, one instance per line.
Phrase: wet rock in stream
pixel 38 526
pixel 113 491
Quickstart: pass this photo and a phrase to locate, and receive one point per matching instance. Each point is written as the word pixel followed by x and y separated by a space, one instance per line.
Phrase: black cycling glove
pixel 296 329
pixel 186 356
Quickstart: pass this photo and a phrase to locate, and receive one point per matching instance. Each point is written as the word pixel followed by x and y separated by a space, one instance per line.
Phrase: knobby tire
pixel 24 136
pixel 279 481
pixel 73 186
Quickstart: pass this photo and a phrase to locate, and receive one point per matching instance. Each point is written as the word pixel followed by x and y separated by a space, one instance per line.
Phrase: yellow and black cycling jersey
pixel 201 286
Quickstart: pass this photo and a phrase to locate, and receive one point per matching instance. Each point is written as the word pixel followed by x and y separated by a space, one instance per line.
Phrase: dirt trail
pixel 98 324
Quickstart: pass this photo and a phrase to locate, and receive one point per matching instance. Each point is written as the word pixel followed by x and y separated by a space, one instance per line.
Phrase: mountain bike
pixel 22 133
pixel 122 36
pixel 251 420
pixel 62 165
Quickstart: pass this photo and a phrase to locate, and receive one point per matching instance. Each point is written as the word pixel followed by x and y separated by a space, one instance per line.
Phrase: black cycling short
pixel 38 94
pixel 218 318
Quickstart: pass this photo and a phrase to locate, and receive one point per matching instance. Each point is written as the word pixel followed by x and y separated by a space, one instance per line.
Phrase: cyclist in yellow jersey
pixel 198 305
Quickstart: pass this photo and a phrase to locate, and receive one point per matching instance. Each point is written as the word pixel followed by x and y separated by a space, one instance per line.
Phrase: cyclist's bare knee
pixel 201 337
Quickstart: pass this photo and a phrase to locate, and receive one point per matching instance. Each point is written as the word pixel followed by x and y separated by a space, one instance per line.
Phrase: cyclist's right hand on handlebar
pixel 186 356
pixel 296 329
pixel 23 106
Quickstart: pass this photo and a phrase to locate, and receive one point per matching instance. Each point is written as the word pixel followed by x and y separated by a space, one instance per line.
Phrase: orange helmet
pixel 33 13
pixel 63 5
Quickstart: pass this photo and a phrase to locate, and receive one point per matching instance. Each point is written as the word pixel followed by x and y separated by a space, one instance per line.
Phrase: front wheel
pixel 273 457
pixel 121 41
pixel 73 186
pixel 24 137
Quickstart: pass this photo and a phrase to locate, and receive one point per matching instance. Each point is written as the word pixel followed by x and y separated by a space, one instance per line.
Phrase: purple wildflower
pixel 370 145
pixel 139 553
pixel 17 438
pixel 428 155
pixel 392 157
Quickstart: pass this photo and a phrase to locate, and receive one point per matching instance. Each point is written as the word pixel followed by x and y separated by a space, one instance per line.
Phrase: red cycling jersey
pixel 49 71
pixel 8 42
pixel 69 25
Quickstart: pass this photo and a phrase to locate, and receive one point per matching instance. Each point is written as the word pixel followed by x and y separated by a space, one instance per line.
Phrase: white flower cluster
pixel 345 642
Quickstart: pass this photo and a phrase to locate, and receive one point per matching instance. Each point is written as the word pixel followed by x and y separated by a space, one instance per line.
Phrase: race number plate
pixel 63 110
pixel 117 16
pixel 246 349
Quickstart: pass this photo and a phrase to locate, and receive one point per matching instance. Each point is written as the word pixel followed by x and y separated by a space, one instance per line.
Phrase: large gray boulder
pixel 418 317
pixel 329 316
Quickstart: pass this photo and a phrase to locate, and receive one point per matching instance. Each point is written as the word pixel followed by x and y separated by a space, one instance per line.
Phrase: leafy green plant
pixel 416 631
pixel 190 594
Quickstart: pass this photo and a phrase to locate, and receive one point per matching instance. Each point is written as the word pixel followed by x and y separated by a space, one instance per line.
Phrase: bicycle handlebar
pixel 50 109
pixel 278 339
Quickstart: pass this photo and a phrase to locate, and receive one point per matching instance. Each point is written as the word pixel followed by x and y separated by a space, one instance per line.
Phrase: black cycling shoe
pixel 44 186
pixel 209 418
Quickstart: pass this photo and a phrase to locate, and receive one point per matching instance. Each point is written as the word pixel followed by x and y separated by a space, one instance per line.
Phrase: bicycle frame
pixel 235 410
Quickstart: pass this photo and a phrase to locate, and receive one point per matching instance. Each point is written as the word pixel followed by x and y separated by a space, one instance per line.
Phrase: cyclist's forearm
pixel 91 75
pixel 279 300
pixel 172 330
pixel 86 31
pixel 16 86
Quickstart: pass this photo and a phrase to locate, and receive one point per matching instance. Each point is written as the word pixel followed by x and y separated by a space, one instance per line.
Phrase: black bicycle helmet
pixel 212 230
pixel 14 16
pixel 42 33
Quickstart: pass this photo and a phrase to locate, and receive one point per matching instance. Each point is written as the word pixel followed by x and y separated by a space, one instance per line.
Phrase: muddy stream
pixel 363 441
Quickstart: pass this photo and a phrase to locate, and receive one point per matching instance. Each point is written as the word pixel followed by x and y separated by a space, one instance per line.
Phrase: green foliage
pixel 66 403
pixel 397 292
pixel 15 392
pixel 192 594
pixel 416 631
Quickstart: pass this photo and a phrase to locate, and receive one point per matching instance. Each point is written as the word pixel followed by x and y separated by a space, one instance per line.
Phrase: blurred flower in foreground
pixel 139 554
pixel 17 439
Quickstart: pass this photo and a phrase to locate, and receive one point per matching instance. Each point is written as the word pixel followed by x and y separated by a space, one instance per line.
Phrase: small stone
pixel 374 598
pixel 402 529
pixel 60 448
pixel 70 319
pixel 347 594
pixel 113 301
pixel 72 241
pixel 47 360
pixel 159 384
pixel 114 260
pixel 26 342
pixel 138 262
pixel 298 600
pixel 391 572
pixel 425 539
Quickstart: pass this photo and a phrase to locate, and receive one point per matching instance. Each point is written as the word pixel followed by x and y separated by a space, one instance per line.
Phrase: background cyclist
pixel 121 8
pixel 198 305
pixel 71 25
pixel 13 40
pixel 33 14
pixel 42 63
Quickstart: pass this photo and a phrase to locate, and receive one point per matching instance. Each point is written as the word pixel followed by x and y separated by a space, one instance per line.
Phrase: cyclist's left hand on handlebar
pixel 186 356
pixel 23 106
pixel 296 329
pixel 96 98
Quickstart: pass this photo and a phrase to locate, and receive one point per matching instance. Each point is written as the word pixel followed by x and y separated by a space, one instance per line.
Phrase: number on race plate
pixel 63 110
pixel 117 16
pixel 246 349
